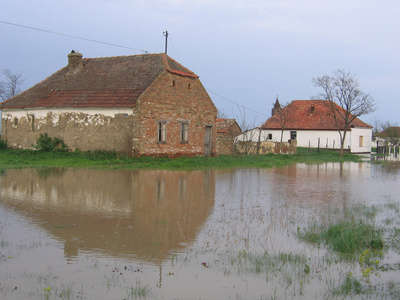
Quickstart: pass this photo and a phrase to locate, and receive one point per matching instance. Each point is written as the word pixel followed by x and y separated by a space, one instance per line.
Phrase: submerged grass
pixel 98 159
pixel 348 238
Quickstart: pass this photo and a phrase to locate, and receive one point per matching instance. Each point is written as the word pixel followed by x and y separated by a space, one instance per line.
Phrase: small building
pixel 227 130
pixel 391 135
pixel 140 104
pixel 311 124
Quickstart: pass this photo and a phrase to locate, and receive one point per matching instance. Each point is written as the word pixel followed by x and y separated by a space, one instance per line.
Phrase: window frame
pixel 184 132
pixel 161 132
pixel 293 133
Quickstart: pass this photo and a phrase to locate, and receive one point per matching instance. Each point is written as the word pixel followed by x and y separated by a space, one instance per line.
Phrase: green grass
pixel 28 158
pixel 346 237
pixel 350 286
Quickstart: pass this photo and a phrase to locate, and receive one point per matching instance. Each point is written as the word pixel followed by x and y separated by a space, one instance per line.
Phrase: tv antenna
pixel 166 40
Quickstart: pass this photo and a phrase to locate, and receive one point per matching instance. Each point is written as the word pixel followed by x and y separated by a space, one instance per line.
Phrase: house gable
pixel 227 130
pixel 389 132
pixel 311 124
pixel 135 92
pixel 98 82
pixel 307 115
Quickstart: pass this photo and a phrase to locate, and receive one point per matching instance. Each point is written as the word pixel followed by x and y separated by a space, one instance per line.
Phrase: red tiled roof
pixel 307 115
pixel 88 98
pixel 99 82
pixel 389 132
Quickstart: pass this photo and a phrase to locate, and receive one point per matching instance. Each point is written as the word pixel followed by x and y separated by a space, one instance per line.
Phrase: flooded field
pixel 214 234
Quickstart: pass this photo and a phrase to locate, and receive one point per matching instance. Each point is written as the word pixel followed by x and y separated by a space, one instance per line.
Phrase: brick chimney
pixel 74 60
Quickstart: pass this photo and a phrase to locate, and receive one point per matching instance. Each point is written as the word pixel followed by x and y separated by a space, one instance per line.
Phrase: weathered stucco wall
pixel 249 147
pixel 83 129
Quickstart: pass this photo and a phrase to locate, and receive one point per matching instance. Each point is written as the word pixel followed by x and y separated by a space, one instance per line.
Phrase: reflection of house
pixel 144 214
pixel 141 104
pixel 311 124
pixel 227 130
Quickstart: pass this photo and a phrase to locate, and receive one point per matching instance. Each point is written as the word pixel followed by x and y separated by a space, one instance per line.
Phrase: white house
pixel 311 124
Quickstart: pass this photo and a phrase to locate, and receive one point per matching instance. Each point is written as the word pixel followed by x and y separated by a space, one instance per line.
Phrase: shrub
pixel 3 144
pixel 47 144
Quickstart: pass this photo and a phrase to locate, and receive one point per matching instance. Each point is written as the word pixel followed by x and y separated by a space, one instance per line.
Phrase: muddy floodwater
pixel 213 234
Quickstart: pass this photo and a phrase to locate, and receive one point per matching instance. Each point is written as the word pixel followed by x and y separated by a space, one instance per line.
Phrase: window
pixel 188 86
pixel 269 137
pixel 162 132
pixel 361 141
pixel 15 121
pixel 32 121
pixel 184 132
pixel 293 135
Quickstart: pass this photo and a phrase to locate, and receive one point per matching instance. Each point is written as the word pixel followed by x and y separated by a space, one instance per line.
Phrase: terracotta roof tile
pixel 102 76
pixel 307 115
pixel 88 98
pixel 393 131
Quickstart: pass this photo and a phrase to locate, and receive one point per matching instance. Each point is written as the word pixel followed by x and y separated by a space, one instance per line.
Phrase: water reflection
pixel 218 220
pixel 146 214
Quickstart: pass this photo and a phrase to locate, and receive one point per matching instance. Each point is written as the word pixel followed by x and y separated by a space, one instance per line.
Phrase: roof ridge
pixel 187 72
pixel 121 56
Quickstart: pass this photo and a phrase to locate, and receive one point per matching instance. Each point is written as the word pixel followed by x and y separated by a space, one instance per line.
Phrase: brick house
pixel 227 130
pixel 140 105
pixel 311 124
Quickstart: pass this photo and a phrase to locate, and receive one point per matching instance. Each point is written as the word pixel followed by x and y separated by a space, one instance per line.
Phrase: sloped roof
pixel 307 115
pixel 393 131
pixel 90 98
pixel 223 125
pixel 98 82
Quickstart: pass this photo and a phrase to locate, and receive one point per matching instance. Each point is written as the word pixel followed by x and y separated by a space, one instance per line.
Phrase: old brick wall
pixel 174 99
pixel 227 131
pixel 79 130
pixel 225 144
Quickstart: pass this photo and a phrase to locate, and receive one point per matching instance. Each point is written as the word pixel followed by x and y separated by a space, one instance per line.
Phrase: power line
pixel 239 105
pixel 121 46
pixel 72 36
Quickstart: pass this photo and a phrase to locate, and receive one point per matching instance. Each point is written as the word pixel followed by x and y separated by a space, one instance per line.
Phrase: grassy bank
pixel 30 159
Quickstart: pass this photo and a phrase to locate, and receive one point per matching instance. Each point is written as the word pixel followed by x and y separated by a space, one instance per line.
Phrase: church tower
pixel 277 107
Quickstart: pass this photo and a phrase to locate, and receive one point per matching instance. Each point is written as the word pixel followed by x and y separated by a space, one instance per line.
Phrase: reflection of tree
pixel 145 214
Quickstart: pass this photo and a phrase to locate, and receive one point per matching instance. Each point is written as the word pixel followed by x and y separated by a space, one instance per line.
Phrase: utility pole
pixel 166 40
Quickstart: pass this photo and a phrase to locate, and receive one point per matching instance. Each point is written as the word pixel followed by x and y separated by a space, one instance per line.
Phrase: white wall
pixel 366 135
pixel 42 112
pixel 309 138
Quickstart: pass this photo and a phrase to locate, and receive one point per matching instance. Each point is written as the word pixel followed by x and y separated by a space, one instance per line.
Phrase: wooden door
pixel 207 141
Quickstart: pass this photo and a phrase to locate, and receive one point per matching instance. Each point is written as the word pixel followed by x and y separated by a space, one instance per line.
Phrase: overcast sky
pixel 246 52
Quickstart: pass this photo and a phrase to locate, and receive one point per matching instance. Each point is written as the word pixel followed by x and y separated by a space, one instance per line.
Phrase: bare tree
pixel 283 117
pixel 221 114
pixel 343 89
pixel 390 132
pixel 11 86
